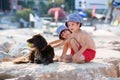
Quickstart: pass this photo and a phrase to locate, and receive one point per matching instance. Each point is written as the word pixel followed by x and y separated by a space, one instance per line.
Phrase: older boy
pixel 80 41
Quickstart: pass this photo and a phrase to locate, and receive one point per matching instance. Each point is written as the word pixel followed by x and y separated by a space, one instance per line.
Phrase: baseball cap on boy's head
pixel 74 18
pixel 60 29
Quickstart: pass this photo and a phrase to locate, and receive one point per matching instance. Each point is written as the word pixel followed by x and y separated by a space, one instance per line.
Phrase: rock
pixel 106 53
pixel 112 78
pixel 58 71
pixel 19 49
pixel 103 33
pixel 118 67
pixel 4 55
pixel 27 77
pixel 115 62
pixel 115 45
pixel 5 46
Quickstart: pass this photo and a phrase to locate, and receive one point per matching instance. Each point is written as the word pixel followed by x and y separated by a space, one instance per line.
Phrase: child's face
pixel 73 26
pixel 65 34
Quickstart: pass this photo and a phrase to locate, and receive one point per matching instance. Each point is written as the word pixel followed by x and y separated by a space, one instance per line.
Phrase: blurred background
pixel 46 15
pixel 21 19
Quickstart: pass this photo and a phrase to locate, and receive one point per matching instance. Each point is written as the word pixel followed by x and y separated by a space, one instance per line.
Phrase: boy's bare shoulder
pixel 82 32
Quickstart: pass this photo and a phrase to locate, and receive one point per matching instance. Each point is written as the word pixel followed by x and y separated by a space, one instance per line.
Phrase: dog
pixel 41 52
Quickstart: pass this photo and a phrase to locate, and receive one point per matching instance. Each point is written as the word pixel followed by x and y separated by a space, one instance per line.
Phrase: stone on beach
pixel 59 71
pixel 4 55
pixel 19 49
pixel 105 66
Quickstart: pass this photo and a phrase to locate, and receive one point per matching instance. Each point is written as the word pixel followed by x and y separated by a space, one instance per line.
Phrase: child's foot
pixel 67 61
pixel 55 59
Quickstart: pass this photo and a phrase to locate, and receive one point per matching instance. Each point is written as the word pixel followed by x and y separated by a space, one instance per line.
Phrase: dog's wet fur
pixel 40 53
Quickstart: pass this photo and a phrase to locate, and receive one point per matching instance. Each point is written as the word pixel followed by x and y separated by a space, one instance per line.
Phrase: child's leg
pixel 87 56
pixel 74 44
pixel 80 59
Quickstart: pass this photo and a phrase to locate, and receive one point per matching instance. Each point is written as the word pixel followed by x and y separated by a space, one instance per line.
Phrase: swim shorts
pixel 89 54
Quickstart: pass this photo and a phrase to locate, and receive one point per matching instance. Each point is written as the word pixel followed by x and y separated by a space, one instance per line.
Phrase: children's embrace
pixel 80 42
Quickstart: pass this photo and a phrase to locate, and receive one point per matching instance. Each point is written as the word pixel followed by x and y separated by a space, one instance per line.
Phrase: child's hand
pixel 66 58
pixel 62 56
pixel 76 57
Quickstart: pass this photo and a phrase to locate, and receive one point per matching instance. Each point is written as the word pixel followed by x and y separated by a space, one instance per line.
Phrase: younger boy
pixel 80 41
pixel 63 33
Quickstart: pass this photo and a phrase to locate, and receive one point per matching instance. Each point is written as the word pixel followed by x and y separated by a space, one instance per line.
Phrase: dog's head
pixel 38 41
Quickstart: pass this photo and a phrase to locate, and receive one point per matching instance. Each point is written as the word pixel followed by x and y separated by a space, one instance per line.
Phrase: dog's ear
pixel 39 40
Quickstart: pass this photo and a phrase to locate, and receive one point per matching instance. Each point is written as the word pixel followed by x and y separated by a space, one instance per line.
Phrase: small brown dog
pixel 41 52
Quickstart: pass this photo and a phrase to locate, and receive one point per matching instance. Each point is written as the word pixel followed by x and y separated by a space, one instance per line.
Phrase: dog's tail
pixel 20 60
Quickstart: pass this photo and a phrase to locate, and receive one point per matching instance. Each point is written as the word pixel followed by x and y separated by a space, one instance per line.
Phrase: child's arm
pixel 64 49
pixel 66 45
pixel 56 43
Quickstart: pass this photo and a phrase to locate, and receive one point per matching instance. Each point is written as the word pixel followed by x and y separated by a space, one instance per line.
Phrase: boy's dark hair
pixel 80 24
pixel 76 22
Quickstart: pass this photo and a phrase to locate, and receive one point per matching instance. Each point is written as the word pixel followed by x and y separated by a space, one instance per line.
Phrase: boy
pixel 80 41
pixel 63 33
